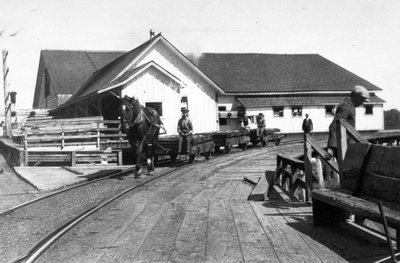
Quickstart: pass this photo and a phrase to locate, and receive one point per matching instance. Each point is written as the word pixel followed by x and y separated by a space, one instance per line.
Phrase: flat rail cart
pixel 270 135
pixel 227 139
pixel 202 145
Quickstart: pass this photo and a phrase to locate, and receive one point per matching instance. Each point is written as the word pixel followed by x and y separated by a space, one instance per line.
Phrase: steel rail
pixel 32 254
pixel 67 189
pixel 39 248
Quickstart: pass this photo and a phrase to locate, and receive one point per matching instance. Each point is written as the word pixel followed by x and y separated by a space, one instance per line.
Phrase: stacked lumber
pixel 72 134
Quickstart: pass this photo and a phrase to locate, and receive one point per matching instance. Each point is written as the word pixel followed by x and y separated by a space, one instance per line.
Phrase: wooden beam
pixel 321 152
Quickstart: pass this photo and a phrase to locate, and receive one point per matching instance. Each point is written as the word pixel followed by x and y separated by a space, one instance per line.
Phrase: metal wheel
pixel 264 142
pixel 191 157
pixel 228 148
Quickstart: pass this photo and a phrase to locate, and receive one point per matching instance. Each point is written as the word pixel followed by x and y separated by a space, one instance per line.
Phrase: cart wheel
pixel 173 157
pixel 191 157
pixel 277 142
pixel 207 155
pixel 264 142
pixel 216 149
pixel 243 146
pixel 228 148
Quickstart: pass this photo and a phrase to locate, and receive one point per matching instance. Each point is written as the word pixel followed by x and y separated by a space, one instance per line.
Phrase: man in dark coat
pixel 347 111
pixel 307 125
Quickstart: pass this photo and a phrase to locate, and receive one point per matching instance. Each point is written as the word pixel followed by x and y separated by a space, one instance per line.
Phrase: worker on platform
pixel 347 111
pixel 307 125
pixel 260 125
pixel 185 131
pixel 245 123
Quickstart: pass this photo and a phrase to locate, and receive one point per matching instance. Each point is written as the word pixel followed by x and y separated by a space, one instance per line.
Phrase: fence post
pixel 341 135
pixel 308 167
pixel 320 171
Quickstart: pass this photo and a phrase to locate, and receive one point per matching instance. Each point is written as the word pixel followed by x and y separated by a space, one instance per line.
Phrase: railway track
pixel 70 214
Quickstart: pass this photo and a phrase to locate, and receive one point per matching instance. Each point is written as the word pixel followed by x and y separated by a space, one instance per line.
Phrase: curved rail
pixel 129 170
pixel 39 248
pixel 32 254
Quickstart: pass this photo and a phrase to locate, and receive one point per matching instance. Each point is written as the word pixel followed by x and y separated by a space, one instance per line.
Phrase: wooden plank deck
pixel 203 215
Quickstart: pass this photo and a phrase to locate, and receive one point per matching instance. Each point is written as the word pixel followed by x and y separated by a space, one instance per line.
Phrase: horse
pixel 142 125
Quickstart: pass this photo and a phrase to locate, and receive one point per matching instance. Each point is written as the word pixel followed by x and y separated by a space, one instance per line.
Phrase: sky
pixel 361 36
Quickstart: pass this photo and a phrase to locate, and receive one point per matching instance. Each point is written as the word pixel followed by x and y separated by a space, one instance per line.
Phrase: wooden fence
pixel 60 134
pixel 298 176
pixel 75 141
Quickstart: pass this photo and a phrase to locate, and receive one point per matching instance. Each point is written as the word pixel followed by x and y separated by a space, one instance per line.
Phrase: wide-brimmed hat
pixel 361 91
pixel 184 110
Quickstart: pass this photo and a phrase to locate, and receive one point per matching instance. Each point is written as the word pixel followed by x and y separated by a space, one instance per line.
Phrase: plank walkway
pixel 202 215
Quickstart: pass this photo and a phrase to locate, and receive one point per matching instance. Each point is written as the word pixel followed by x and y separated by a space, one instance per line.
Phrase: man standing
pixel 346 110
pixel 307 125
pixel 185 130
pixel 260 125
pixel 244 124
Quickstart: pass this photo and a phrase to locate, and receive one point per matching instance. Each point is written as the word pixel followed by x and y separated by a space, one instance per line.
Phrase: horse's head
pixel 131 109
pixel 131 104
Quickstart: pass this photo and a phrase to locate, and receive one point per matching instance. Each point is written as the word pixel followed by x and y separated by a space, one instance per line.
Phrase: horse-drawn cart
pixel 227 139
pixel 270 135
pixel 202 145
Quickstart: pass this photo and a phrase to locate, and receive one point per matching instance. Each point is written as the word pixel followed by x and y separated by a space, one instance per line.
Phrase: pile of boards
pixel 74 141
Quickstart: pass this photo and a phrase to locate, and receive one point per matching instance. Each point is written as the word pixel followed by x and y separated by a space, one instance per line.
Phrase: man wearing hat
pixel 346 110
pixel 260 125
pixel 185 130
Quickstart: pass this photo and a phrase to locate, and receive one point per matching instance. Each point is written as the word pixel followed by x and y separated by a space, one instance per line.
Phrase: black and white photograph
pixel 210 131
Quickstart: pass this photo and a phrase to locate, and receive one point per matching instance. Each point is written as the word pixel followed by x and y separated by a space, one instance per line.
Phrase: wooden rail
pixel 59 134
pixel 317 169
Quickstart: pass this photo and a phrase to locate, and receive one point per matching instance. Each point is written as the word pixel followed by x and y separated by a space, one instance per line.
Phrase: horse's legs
pixel 151 156
pixel 138 166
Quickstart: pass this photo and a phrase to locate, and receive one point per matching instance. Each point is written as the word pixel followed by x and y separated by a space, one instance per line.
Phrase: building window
pixel 221 108
pixel 297 111
pixel 369 109
pixel 155 105
pixel 329 111
pixel 278 111
pixel 223 121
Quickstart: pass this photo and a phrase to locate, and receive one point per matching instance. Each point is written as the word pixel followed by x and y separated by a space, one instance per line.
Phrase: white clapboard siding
pixel 201 96
pixel 154 86
pixel 321 122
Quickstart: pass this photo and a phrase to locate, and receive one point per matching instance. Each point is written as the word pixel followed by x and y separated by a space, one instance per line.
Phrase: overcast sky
pixel 361 36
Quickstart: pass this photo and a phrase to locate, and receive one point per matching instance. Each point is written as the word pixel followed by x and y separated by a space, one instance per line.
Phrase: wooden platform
pixel 202 215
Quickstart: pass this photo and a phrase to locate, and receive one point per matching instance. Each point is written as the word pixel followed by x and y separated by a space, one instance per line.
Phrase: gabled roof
pixel 266 73
pixel 69 69
pixel 271 101
pixel 106 77
pixel 130 74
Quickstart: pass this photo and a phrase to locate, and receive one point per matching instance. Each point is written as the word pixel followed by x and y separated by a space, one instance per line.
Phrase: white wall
pixel 370 122
pixel 151 86
pixel 201 96
pixel 289 124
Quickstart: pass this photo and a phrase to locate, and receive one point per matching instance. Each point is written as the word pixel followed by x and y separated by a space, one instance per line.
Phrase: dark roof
pixel 254 73
pixel 105 76
pixel 299 100
pixel 69 69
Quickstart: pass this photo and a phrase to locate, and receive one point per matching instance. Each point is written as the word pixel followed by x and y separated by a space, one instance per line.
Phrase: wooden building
pixel 159 76
pixel 62 72
pixel 286 87
pixel 215 87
